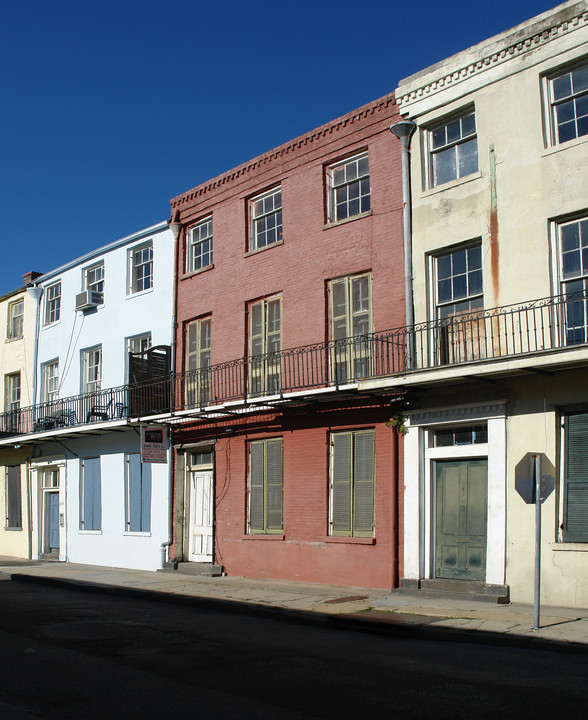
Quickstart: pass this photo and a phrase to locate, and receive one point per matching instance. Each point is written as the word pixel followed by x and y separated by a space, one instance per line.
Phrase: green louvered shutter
pixel 274 485
pixel 13 497
pixel 256 487
pixel 363 484
pixel 575 526
pixel 341 509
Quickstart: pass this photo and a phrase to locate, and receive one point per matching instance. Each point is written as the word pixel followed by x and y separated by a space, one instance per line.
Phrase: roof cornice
pixel 538 33
pixel 278 153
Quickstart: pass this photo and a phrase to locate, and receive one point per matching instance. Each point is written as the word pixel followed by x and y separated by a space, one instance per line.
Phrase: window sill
pixel 13 339
pixel 262 536
pixel 140 293
pixel 190 274
pixel 452 184
pixel 336 223
pixel 136 533
pixel 13 529
pixel 261 249
pixel 560 147
pixel 50 325
pixel 350 540
pixel 569 547
pixel 90 532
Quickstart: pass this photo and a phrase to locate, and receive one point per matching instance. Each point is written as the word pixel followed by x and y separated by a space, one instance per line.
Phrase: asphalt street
pixel 78 655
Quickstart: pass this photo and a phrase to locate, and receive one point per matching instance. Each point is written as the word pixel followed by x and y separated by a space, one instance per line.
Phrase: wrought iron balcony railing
pixel 541 326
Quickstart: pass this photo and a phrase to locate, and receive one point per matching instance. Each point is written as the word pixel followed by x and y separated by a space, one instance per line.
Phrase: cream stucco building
pixel 498 363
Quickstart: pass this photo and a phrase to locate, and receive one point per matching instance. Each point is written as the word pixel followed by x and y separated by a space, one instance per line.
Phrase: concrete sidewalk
pixel 362 609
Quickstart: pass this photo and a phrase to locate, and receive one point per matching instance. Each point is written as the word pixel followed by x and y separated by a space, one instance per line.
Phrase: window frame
pixel 198 361
pixel 344 501
pixel 91 386
pixel 12 389
pixel 13 498
pixel 90 498
pixel 15 320
pixel 137 507
pixel 265 364
pixel 50 395
pixel 552 103
pixel 134 278
pixel 203 243
pixel 95 285
pixel 52 303
pixel 347 352
pixel 333 186
pixel 577 309
pixel 258 220
pixel 433 152
pixel 260 484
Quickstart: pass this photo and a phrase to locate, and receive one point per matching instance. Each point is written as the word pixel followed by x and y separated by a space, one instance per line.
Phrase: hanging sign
pixel 153 444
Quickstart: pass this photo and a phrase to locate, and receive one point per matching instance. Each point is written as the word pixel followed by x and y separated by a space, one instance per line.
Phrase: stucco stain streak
pixel 494 246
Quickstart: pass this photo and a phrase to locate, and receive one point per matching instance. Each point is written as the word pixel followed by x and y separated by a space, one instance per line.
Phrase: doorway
pixel 201 506
pixel 461 518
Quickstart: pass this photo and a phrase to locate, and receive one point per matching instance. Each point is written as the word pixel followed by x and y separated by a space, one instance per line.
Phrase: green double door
pixel 461 519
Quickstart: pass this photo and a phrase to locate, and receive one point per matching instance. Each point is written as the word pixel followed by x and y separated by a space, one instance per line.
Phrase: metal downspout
pixel 403 131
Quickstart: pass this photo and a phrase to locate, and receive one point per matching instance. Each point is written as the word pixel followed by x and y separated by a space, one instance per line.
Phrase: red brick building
pixel 290 270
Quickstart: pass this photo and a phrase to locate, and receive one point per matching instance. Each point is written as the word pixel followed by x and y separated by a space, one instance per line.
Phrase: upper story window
pixel 141 268
pixel 453 149
pixel 52 303
pixel 92 369
pixel 351 325
pixel 50 379
pixel 15 319
pixel 266 219
pixel 573 242
pixel 265 343
pixel 12 391
pixel 199 253
pixel 93 277
pixel 139 343
pixel 568 96
pixel 198 355
pixel 459 282
pixel 349 188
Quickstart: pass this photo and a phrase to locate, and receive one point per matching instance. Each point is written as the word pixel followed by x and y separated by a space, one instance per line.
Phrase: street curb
pixel 353 622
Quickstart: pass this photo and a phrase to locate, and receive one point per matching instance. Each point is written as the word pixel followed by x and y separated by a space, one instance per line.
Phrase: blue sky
pixel 109 109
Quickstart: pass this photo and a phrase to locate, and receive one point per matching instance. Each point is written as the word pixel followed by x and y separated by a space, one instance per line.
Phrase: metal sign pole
pixel 537 473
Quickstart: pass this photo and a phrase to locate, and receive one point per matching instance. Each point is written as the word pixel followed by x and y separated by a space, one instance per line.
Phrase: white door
pixel 201 500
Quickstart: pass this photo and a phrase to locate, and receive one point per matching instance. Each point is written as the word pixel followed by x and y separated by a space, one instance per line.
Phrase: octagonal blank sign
pixel 525 477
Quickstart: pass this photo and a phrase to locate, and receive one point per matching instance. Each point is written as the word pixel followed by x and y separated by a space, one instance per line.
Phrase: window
pixel 265 344
pixel 139 343
pixel 50 390
pixel 198 352
pixel 92 369
pixel 199 253
pixel 266 219
pixel 93 277
pixel 15 319
pixel 13 498
pixel 465 435
pixel 266 486
pixel 349 188
pixel 137 494
pixel 52 303
pixel 352 484
pixel 351 325
pixel 91 495
pixel 141 268
pixel 573 242
pixel 575 520
pixel 568 96
pixel 453 149
pixel 12 391
pixel 461 330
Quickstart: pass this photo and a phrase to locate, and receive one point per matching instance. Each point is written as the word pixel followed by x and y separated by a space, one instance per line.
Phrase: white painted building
pixel 499 172
pixel 92 500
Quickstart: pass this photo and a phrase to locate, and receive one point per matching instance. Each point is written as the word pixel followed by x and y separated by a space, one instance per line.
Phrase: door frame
pixel 419 474
pixel 38 495
pixel 186 499
pixel 192 472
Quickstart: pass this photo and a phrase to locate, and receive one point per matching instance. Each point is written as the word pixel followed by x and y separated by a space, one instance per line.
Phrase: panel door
pixel 461 519
pixel 201 506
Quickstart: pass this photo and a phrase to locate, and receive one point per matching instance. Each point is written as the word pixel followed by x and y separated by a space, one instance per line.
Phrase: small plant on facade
pixel 398 422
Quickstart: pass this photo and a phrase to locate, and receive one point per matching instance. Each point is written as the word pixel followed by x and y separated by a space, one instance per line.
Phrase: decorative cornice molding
pixel 510 52
pixel 457 414
pixel 378 106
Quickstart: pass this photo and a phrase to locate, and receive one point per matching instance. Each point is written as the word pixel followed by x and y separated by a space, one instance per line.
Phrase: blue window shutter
pixel 134 492
pixel 92 499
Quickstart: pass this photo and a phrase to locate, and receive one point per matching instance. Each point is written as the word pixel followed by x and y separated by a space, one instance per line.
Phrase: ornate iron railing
pixel 540 326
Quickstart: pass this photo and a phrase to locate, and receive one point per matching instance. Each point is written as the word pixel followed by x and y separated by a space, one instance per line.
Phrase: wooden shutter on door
pixel 92 495
pixel 256 487
pixel 575 525
pixel 13 497
pixel 363 485
pixel 274 485
pixel 341 491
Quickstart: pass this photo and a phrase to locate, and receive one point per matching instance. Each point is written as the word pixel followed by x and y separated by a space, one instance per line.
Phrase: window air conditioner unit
pixel 89 299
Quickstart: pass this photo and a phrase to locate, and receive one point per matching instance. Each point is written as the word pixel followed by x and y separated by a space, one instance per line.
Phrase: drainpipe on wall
pixel 403 131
